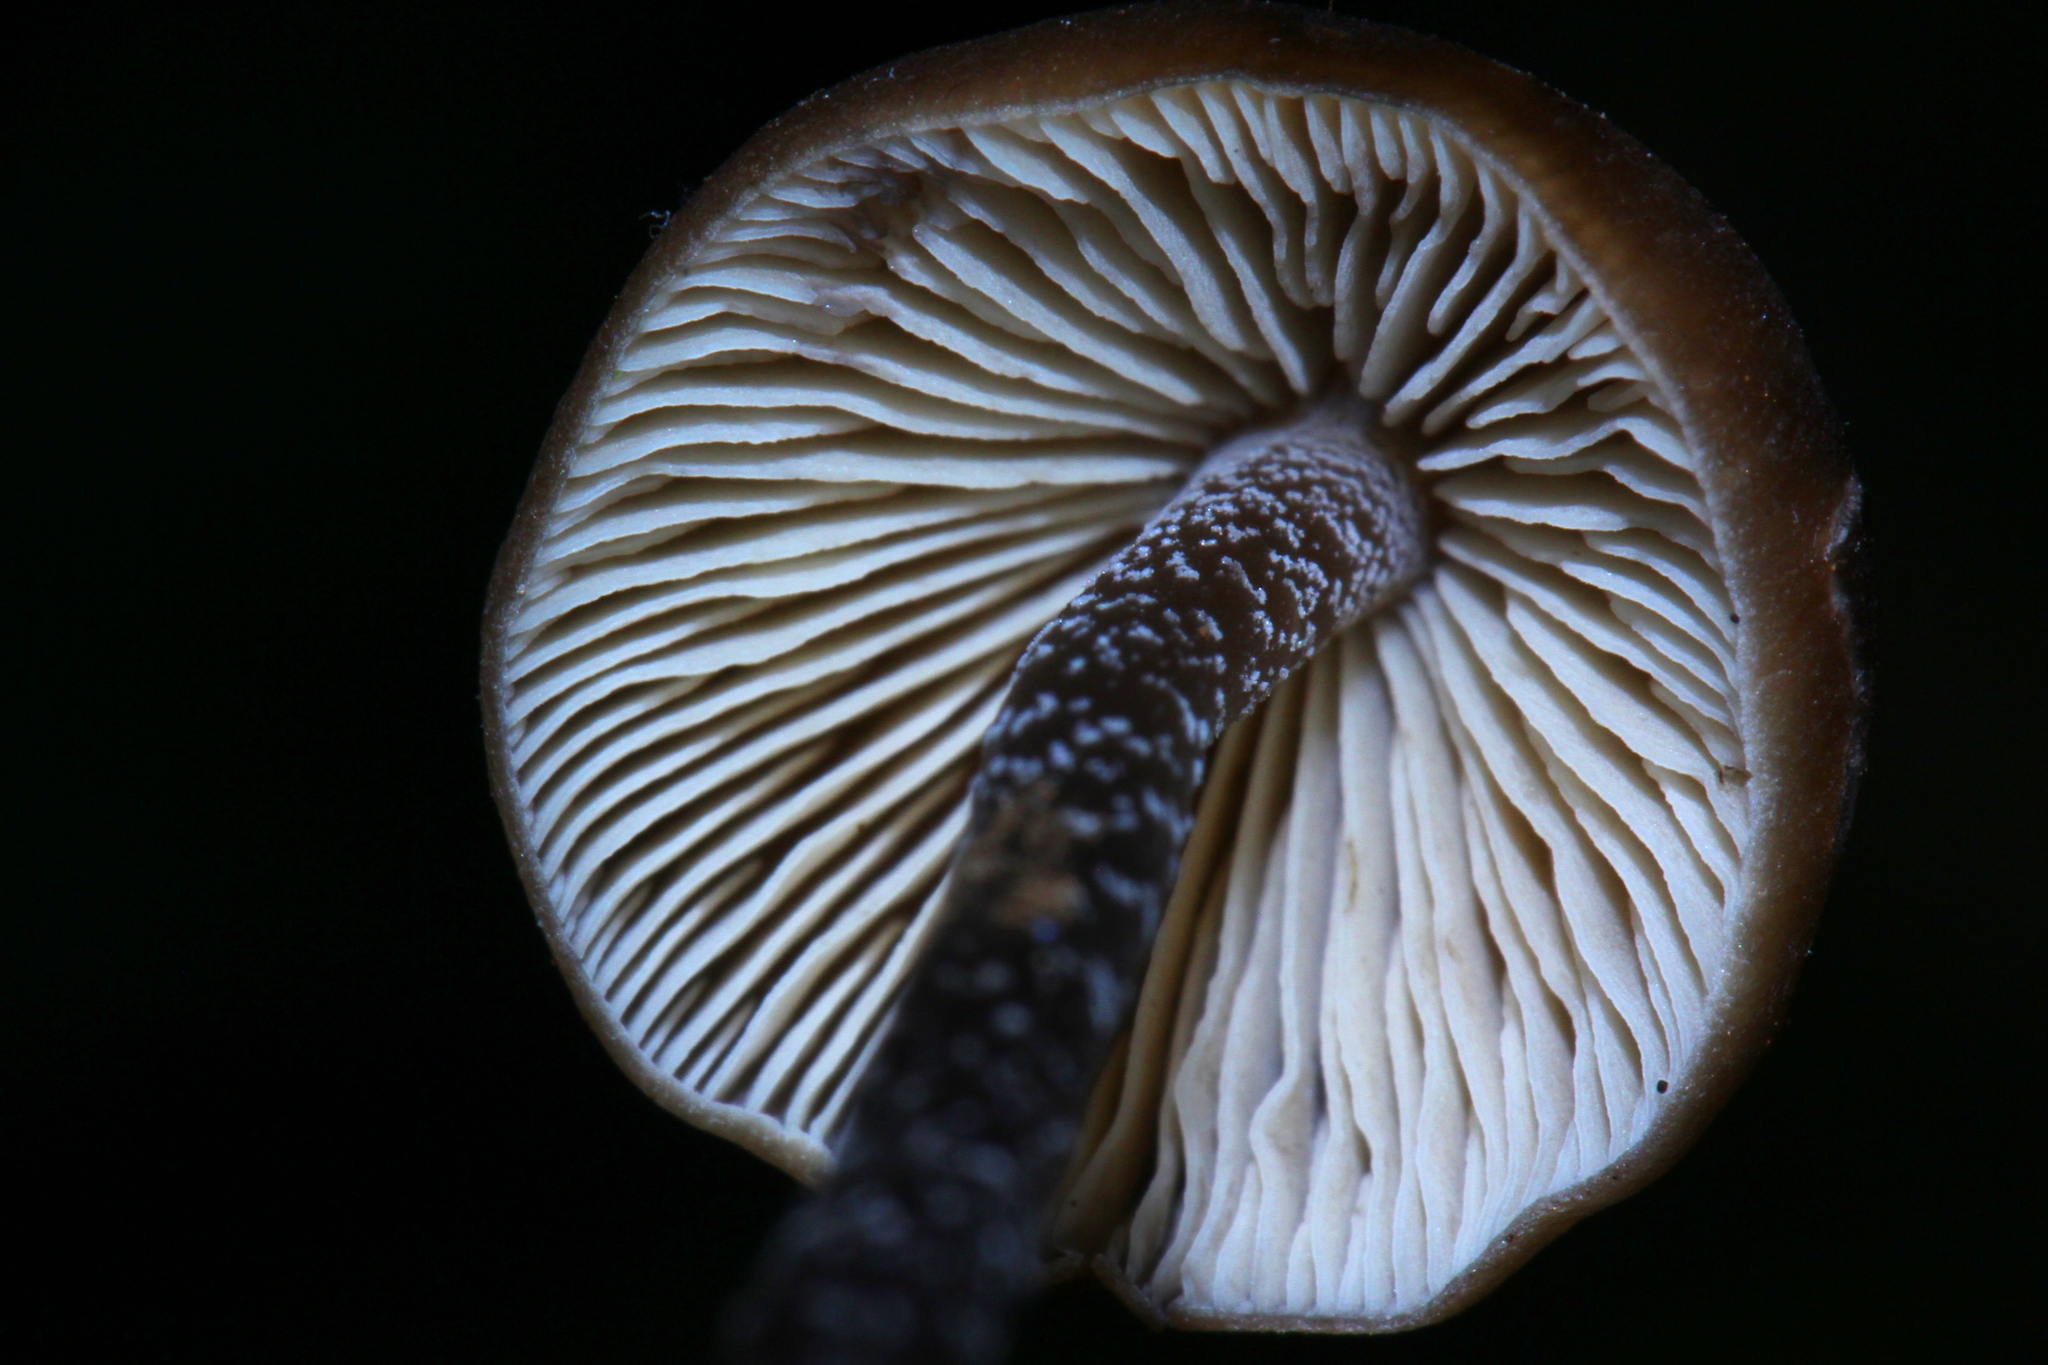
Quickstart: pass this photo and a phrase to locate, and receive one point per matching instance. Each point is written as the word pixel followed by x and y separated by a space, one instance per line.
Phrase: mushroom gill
pixel 1459 897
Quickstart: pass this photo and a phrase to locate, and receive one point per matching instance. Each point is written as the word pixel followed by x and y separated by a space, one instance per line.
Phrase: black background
pixel 290 1072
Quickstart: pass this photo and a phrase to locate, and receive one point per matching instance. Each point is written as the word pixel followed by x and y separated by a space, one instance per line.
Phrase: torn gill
pixel 1085 795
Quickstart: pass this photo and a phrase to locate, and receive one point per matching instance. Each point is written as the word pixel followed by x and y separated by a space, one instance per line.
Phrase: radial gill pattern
pixel 1458 895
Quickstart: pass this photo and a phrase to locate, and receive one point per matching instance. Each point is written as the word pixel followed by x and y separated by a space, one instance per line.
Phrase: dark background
pixel 287 1068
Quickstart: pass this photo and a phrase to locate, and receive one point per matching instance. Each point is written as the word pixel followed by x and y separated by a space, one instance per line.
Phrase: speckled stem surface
pixel 930 1232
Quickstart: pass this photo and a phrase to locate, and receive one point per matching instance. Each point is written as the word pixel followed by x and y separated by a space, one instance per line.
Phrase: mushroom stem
pixel 930 1232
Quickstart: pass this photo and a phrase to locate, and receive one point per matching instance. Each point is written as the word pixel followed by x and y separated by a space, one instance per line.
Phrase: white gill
pixel 1459 894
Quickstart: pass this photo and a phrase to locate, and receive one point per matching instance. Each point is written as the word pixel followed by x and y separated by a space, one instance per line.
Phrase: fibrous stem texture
pixel 1084 799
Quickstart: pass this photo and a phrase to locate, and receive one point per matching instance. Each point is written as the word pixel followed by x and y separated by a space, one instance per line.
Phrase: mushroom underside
pixel 1450 927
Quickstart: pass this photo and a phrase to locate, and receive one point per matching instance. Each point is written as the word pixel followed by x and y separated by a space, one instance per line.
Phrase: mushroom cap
pixel 1485 914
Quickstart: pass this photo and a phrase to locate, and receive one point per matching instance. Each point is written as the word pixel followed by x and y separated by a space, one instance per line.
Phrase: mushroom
pixel 1210 637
